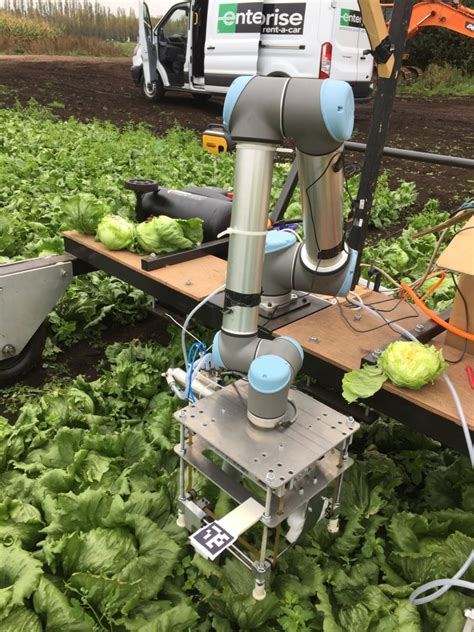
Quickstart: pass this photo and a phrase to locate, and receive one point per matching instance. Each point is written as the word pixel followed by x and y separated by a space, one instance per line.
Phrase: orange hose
pixel 433 287
pixel 434 317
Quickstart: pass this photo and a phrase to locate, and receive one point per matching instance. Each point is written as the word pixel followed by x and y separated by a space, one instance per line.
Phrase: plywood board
pixel 338 344
pixel 458 256
pixel 196 278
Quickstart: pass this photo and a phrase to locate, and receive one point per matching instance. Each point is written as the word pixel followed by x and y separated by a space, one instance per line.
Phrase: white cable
pixel 188 320
pixel 293 232
pixel 452 390
pixel 359 298
pixel 465 427
pixel 445 584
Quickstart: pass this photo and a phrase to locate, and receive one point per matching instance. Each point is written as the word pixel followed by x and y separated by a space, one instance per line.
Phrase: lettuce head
pixel 115 232
pixel 411 364
pixel 405 364
pixel 164 234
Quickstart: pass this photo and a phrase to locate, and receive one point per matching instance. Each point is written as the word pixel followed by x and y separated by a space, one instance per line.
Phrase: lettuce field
pixel 88 476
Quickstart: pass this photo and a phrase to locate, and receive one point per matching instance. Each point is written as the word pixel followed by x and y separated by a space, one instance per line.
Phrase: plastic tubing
pixel 443 585
pixel 450 385
pixel 431 314
pixel 188 320
pixel 455 581
pixel 184 394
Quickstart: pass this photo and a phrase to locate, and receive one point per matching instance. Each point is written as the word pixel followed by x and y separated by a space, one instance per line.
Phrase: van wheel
pixel 201 98
pixel 152 91
pixel 12 369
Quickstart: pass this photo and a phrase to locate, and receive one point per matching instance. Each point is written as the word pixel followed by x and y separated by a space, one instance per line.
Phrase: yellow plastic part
pixel 214 142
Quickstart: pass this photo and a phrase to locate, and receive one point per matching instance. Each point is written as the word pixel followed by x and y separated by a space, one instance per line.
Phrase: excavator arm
pixel 455 17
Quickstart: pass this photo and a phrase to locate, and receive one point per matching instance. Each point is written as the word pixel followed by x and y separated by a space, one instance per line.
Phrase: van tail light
pixel 325 63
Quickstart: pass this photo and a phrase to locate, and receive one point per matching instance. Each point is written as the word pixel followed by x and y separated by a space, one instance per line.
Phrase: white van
pixel 201 46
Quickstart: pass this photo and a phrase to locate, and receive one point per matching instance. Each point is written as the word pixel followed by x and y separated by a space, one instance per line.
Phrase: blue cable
pixel 196 350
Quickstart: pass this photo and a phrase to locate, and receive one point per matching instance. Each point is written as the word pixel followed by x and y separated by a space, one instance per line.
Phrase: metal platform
pixel 297 461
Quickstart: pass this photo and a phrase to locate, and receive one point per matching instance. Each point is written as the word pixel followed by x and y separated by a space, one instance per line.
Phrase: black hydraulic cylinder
pixel 211 205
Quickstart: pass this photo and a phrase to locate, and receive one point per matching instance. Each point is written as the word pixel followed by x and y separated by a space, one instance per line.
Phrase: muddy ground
pixel 101 88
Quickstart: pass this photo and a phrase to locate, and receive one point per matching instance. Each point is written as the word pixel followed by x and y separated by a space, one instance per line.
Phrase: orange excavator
pixel 453 16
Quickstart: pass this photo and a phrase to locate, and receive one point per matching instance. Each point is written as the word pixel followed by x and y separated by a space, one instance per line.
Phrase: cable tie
pixel 238 231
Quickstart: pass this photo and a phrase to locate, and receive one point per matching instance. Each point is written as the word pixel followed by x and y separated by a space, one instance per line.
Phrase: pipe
pixel 322 201
pixel 434 317
pixel 252 187
pixel 420 156
pixel 444 585
pixel 179 376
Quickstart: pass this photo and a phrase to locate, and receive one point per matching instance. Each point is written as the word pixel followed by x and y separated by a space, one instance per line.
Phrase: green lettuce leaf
pixel 59 613
pixel 83 212
pixel 362 382
pixel 21 620
pixel 20 574
pixel 164 234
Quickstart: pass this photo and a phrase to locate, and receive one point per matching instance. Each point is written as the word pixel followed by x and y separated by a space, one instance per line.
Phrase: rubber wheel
pixel 201 98
pixel 11 369
pixel 152 92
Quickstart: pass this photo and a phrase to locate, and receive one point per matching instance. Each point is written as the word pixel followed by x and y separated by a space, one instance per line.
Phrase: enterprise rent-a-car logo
pixel 268 19
pixel 349 17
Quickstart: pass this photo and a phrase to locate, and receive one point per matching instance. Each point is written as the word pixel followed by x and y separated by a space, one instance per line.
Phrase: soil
pixel 93 87
pixel 102 88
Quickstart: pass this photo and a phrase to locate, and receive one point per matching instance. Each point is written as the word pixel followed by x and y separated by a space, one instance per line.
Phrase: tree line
pixel 78 17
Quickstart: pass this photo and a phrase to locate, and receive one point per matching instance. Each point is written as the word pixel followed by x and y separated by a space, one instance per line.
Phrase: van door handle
pixel 363 57
pixel 211 48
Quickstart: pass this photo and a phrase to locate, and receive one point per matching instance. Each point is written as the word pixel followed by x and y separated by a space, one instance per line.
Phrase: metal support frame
pixel 291 465
pixel 28 292
pixel 383 103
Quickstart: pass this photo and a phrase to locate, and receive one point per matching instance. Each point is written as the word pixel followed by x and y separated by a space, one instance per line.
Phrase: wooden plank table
pixel 338 347
pixel 195 279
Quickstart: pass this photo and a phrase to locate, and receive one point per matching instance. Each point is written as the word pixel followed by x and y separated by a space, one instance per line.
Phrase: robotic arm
pixel 259 113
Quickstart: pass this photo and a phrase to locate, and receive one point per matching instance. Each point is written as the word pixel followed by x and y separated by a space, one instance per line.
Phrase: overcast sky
pixel 157 7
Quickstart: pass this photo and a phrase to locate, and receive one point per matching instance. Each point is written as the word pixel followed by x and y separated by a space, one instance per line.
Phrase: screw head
pixel 270 477
pixel 358 317
pixel 182 414
pixel 376 352
pixel 419 327
pixel 64 273
pixel 8 351
pixel 314 339
pixel 188 282
pixel 350 422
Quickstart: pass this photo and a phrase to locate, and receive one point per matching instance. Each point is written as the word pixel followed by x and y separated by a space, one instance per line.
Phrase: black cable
pixel 386 322
pixel 346 186
pixel 321 175
pixel 466 312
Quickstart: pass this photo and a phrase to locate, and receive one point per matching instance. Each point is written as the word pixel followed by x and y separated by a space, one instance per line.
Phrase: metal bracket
pixel 27 295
